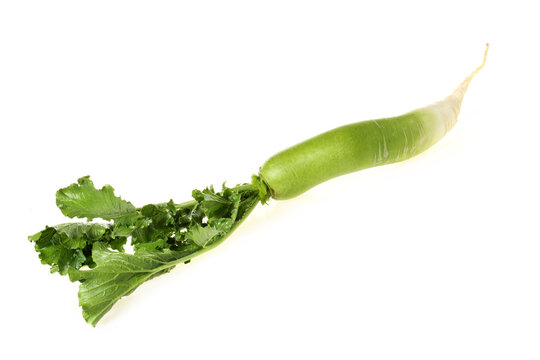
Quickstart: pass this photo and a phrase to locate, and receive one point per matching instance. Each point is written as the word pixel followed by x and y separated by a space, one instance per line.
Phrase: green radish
pixel 361 145
pixel 168 234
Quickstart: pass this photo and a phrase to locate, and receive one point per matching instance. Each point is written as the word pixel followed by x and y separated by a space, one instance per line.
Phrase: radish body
pixel 167 234
pixel 361 145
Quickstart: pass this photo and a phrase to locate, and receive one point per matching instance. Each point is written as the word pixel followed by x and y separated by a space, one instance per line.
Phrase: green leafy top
pixel 83 200
pixel 162 235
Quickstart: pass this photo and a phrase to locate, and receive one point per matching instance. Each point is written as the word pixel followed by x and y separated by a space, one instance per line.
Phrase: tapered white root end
pixel 467 81
pixel 457 96
pixel 446 111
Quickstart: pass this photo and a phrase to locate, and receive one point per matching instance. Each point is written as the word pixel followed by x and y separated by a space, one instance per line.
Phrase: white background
pixel 437 257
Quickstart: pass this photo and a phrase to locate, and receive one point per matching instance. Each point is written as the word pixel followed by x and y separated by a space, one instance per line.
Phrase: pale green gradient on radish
pixel 361 145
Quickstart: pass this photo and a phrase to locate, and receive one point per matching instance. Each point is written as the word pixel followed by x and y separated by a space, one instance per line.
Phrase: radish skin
pixel 362 145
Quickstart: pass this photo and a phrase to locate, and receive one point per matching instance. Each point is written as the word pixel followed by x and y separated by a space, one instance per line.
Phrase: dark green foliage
pixel 162 235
